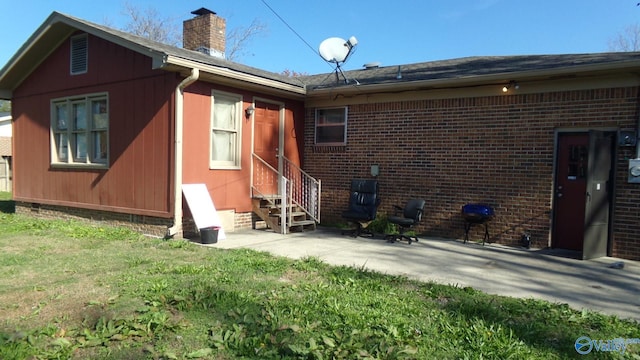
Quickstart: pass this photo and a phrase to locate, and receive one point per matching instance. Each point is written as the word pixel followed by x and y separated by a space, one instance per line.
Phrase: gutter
pixel 462 81
pixel 226 73
pixel 179 119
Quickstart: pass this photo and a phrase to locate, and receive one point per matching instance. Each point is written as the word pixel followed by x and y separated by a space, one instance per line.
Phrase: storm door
pixel 582 193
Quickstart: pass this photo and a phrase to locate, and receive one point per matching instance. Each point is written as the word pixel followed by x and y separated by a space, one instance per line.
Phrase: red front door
pixel 266 140
pixel 571 187
pixel 267 132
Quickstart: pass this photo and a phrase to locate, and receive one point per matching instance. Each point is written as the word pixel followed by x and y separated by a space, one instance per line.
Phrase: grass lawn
pixel 71 290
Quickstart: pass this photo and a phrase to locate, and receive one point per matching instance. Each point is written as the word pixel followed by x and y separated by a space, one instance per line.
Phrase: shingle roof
pixel 59 26
pixel 478 67
pixel 189 54
pixel 441 73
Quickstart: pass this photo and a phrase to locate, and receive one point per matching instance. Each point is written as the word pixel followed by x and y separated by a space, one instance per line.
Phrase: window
pixel 79 54
pixel 80 130
pixel 225 130
pixel 331 126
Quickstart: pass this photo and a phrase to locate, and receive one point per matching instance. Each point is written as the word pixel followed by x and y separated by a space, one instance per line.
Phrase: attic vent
pixel 79 54
pixel 371 65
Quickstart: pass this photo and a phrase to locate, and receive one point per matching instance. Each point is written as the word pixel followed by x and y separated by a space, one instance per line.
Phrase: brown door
pixel 582 198
pixel 571 186
pixel 266 146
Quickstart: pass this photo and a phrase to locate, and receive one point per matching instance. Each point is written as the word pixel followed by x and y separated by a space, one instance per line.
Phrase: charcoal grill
pixel 477 214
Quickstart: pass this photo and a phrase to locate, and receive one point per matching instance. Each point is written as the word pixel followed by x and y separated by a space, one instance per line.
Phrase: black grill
pixel 477 214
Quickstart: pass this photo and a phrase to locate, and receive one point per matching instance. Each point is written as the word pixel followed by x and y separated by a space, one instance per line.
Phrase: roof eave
pixel 231 77
pixel 476 80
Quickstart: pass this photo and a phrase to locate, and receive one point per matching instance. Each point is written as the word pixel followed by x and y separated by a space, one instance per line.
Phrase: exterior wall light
pixel 511 85
pixel 249 111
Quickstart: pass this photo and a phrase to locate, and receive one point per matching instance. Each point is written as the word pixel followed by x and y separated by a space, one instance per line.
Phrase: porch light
pixel 510 85
pixel 249 111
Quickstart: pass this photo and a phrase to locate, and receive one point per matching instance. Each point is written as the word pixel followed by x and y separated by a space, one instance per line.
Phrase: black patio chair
pixel 363 206
pixel 411 215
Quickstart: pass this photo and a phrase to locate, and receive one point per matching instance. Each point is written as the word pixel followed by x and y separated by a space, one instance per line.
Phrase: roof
pixel 451 73
pixel 57 28
pixel 479 69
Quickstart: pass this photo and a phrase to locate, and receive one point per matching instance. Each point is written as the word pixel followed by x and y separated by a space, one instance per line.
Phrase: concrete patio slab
pixel 492 268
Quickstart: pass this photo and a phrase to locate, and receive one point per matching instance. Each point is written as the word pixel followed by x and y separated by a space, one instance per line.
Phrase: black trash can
pixel 209 235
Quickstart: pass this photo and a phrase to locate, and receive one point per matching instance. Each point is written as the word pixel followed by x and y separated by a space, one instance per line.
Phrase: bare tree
pixel 238 38
pixel 627 40
pixel 293 73
pixel 150 24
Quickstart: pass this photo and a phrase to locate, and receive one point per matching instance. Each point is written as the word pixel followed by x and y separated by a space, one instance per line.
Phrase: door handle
pixel 559 191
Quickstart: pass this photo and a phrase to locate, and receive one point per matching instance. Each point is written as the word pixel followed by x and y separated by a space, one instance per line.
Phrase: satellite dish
pixel 334 50
pixel 337 50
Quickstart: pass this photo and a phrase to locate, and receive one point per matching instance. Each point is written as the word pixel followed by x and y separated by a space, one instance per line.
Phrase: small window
pixel 331 126
pixel 225 130
pixel 79 54
pixel 80 131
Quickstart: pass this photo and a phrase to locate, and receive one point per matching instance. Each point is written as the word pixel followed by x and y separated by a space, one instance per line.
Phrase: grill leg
pixel 486 233
pixel 467 227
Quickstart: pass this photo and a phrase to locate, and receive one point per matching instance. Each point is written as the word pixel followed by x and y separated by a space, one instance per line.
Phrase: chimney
pixel 205 33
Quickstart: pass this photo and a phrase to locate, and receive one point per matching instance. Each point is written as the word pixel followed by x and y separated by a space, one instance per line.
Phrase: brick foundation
pixel 147 225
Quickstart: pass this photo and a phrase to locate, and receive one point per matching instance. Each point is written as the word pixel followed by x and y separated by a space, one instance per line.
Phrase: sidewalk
pixel 492 268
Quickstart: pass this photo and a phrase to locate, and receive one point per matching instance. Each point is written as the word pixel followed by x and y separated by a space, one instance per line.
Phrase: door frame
pixel 614 155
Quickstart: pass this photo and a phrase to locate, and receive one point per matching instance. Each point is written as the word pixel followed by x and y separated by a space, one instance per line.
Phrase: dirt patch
pixel 65 304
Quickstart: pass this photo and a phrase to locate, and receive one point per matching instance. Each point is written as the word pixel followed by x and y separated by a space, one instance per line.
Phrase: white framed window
pixel 331 126
pixel 80 131
pixel 79 57
pixel 226 122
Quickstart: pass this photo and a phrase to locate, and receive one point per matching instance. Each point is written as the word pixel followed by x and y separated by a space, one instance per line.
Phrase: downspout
pixel 638 132
pixel 179 116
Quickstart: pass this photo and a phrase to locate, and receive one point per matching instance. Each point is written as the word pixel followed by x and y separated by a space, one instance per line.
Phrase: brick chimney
pixel 205 33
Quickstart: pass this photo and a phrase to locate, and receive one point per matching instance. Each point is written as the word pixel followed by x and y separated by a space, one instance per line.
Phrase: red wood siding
pixel 141 112
pixel 230 189
pixel 495 149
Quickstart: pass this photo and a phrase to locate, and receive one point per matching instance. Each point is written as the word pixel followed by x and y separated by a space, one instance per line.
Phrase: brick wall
pixel 493 149
pixel 147 225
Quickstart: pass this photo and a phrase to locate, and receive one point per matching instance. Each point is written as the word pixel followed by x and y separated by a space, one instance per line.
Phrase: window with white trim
pixel 226 122
pixel 80 130
pixel 331 126
pixel 79 54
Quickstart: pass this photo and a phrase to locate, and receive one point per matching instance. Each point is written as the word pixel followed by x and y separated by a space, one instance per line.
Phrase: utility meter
pixel 634 171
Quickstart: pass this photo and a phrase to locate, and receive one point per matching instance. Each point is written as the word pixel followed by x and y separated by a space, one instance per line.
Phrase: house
pixel 549 141
pixel 108 126
pixel 5 151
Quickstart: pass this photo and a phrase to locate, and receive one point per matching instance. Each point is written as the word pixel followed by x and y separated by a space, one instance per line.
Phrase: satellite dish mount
pixel 336 50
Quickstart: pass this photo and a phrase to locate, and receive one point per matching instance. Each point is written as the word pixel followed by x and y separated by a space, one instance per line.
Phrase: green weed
pixel 77 291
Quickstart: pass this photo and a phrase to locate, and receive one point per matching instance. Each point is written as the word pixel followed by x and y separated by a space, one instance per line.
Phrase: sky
pixel 391 32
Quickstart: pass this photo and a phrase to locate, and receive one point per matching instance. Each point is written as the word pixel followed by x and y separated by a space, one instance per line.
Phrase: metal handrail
pixel 292 186
pixel 305 190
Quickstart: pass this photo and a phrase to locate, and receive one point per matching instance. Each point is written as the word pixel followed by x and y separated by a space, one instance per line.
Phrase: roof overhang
pixel 230 77
pixel 58 27
pixel 585 71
